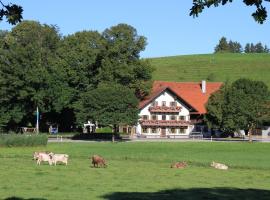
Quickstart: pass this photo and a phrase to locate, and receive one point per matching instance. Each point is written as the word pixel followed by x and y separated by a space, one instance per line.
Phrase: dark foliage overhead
pixel 259 15
pixel 12 12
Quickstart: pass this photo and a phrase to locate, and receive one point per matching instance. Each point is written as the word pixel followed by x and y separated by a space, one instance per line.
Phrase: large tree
pixel 235 47
pixel 110 105
pixel 222 46
pixel 80 55
pixel 259 15
pixel 113 57
pixel 121 61
pixel 29 77
pixel 243 105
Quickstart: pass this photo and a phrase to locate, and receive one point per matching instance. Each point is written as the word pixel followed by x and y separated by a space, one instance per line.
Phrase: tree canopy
pixel 12 12
pixel 29 76
pixel 225 47
pixel 110 105
pixel 242 105
pixel 256 48
pixel 39 67
pixel 259 15
pixel 121 63
pixel 112 57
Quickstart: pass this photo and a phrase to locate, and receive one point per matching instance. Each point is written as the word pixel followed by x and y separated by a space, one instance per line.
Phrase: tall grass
pixel 15 140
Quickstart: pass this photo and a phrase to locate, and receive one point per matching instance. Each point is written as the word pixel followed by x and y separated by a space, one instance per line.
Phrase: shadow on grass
pixel 19 198
pixel 96 136
pixel 194 194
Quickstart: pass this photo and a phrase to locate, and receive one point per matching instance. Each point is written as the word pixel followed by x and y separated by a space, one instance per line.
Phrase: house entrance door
pixel 163 132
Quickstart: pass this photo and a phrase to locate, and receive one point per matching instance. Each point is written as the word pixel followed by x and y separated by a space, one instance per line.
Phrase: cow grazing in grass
pixel 219 165
pixel 62 158
pixel 43 157
pixel 36 153
pixel 179 165
pixel 98 161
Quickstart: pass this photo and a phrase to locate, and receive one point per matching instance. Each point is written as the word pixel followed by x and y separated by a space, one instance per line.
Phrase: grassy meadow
pixel 216 67
pixel 139 170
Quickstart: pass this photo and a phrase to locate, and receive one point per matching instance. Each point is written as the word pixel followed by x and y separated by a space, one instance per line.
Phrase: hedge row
pixel 15 140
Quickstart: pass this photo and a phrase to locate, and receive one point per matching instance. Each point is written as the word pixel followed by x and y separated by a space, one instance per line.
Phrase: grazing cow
pixel 98 161
pixel 63 158
pixel 219 165
pixel 35 155
pixel 179 165
pixel 43 157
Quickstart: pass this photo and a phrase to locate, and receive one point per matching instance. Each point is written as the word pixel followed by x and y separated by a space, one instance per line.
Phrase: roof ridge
pixel 184 82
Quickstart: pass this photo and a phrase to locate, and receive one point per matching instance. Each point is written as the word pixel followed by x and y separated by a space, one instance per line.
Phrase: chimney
pixel 203 85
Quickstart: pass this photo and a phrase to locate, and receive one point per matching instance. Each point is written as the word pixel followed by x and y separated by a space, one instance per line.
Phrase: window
pixel 181 117
pixel 154 130
pixel 163 103
pixel 182 130
pixel 173 103
pixel 155 103
pixel 173 130
pixel 163 117
pixel 145 130
pixel 154 117
pixel 145 117
pixel 173 117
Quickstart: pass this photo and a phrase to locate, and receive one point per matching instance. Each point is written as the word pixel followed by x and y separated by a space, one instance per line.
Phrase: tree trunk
pixel 113 137
pixel 114 133
pixel 250 133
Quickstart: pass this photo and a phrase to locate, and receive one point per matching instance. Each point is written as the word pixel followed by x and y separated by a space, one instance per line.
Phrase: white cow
pixel 36 153
pixel 219 165
pixel 43 157
pixel 63 158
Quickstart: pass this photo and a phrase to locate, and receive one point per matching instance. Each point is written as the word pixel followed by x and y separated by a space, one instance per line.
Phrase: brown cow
pixel 179 165
pixel 98 161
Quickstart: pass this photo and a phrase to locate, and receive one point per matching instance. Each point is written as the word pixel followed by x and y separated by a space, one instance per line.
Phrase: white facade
pixel 165 116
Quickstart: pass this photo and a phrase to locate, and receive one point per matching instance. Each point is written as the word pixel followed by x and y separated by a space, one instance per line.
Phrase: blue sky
pixel 166 24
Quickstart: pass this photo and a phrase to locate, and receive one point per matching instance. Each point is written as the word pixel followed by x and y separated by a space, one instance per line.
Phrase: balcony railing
pixel 168 109
pixel 162 123
pixel 196 121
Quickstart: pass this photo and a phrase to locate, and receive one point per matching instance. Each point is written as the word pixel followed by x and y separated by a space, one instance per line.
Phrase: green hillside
pixel 212 67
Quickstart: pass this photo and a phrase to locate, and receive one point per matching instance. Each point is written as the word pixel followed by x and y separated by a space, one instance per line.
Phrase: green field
pixel 223 67
pixel 139 170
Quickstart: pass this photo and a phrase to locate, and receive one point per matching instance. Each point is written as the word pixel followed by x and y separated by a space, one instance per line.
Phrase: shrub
pixel 211 77
pixel 104 130
pixel 15 140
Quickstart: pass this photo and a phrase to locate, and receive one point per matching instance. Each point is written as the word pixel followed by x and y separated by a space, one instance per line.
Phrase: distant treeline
pixel 235 47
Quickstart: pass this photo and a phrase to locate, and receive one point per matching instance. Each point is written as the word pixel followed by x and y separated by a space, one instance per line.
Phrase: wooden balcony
pixel 165 123
pixel 196 121
pixel 166 109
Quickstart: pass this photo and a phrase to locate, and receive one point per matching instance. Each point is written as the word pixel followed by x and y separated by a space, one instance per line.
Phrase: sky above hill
pixel 166 24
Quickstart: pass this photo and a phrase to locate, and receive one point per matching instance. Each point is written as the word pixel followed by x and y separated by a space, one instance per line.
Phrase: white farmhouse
pixel 172 110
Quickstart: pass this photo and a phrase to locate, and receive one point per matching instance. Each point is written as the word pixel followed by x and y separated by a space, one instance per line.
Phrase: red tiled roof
pixel 190 92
